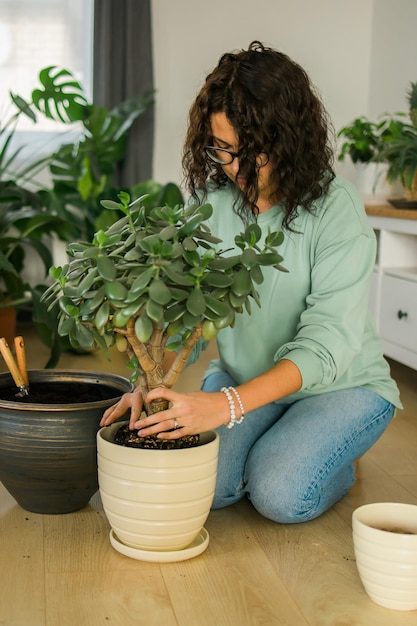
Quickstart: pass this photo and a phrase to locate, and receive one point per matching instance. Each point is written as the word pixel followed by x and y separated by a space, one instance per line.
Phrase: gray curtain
pixel 122 69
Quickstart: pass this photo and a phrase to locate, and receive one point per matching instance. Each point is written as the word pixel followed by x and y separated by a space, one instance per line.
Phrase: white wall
pixel 393 55
pixel 344 46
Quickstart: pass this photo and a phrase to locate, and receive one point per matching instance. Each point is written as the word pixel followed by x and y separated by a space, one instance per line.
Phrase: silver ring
pixel 176 425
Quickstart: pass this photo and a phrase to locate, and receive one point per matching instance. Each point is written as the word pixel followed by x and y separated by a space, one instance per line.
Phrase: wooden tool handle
pixel 19 345
pixel 10 362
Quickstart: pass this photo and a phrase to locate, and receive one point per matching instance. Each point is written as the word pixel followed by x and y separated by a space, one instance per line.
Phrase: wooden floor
pixel 62 571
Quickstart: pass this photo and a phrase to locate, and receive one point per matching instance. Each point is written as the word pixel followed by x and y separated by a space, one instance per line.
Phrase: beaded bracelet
pixel 233 420
pixel 239 401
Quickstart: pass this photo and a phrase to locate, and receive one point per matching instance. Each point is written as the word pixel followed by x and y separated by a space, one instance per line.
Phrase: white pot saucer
pixel 195 548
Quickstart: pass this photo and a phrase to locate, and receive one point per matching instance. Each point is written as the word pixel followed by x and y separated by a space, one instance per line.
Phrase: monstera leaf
pixel 60 97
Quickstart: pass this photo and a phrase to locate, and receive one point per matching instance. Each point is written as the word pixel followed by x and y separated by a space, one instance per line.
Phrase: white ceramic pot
pixel 371 180
pixel 385 544
pixel 157 501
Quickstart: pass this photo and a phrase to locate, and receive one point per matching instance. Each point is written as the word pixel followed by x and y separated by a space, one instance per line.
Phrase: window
pixel 35 34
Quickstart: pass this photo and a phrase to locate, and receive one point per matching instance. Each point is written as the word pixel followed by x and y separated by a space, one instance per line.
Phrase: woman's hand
pixel 132 401
pixel 189 413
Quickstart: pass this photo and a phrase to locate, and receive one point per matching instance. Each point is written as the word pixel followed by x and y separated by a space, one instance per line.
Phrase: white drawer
pixel 398 317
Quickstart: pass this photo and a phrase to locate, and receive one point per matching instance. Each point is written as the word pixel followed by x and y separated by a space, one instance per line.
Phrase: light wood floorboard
pixel 62 571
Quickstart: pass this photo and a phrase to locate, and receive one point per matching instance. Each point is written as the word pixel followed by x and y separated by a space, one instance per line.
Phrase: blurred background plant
pixel 79 174
pixel 391 142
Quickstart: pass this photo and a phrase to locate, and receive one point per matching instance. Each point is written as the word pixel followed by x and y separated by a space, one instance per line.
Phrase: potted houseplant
pixel 390 142
pixel 398 145
pixel 46 319
pixel 360 142
pixel 157 280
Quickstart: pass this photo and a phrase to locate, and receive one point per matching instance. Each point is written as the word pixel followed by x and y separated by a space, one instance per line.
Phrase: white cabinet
pixel 393 298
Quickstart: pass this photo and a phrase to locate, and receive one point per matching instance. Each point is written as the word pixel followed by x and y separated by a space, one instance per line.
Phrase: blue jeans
pixel 294 461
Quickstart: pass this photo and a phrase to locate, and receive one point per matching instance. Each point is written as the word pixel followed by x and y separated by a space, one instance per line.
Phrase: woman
pixel 306 370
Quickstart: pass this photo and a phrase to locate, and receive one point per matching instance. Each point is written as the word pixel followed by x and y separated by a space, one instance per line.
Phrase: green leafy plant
pixel 81 170
pixel 24 223
pixel 157 280
pixel 360 141
pixel 23 227
pixel 398 148
pixel 153 194
pixel 391 140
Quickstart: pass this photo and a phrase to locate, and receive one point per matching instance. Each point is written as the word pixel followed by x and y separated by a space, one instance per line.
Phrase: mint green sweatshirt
pixel 316 315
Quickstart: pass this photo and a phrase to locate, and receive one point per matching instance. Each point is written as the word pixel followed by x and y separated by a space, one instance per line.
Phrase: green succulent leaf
pixel 87 281
pixel 143 279
pixel 206 211
pixel 175 327
pixel 121 318
pixel 111 205
pixel 133 255
pixel 66 325
pixel 115 291
pixel 174 313
pixel 242 283
pixel 227 320
pixel 102 315
pixel 252 235
pixel 236 301
pixel 66 305
pixel 159 292
pixel 177 278
pixel 249 258
pixel 143 328
pixel 270 258
pixel 92 303
pixel 275 238
pixel 169 232
pixel 196 303
pixel 189 244
pixel 83 336
pixel 256 275
pixel 216 279
pixel 219 308
pixel 178 294
pixel 190 320
pixel 209 330
pixel 106 267
pixel 225 263
pixel 155 311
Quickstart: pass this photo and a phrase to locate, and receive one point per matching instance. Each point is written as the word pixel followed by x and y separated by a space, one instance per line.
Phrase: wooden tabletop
pixel 384 209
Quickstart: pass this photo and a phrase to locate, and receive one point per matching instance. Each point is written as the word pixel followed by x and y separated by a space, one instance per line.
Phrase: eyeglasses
pixel 226 157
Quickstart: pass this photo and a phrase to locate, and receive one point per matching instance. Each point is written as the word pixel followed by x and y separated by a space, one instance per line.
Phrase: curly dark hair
pixel 273 108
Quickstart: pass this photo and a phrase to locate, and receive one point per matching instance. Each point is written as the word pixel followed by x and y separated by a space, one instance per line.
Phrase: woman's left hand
pixel 189 414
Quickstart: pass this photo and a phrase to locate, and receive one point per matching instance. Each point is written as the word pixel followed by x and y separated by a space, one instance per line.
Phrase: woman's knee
pixel 290 501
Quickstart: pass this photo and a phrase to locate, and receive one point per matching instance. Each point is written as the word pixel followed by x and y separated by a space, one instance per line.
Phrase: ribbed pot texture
pixel 157 500
pixel 48 452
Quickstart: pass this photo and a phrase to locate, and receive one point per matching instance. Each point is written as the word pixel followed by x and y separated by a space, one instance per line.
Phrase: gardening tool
pixel 17 370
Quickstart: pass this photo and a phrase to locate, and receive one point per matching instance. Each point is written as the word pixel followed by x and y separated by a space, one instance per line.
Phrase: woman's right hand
pixel 132 401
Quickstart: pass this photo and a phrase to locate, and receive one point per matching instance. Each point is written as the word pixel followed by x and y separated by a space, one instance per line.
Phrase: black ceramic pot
pixel 48 452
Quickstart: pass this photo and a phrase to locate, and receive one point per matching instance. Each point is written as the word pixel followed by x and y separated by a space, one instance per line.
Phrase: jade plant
pixel 157 280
